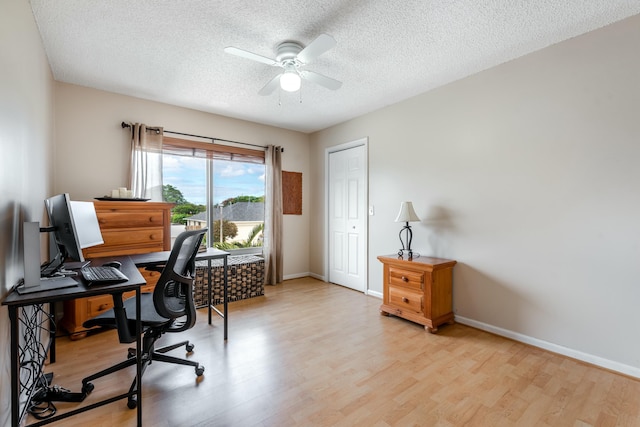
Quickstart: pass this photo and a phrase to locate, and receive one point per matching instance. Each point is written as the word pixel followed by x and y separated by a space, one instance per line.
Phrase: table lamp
pixel 406 215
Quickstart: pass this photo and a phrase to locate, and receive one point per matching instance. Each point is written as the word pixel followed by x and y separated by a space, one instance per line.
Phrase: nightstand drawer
pixel 405 299
pixel 407 278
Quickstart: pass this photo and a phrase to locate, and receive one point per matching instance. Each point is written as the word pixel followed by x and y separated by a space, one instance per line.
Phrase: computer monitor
pixel 86 224
pixel 74 226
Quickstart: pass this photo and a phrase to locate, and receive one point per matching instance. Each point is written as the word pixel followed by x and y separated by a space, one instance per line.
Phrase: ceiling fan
pixel 292 57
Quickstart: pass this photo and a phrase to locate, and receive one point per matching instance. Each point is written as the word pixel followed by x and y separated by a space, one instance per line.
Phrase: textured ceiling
pixel 387 50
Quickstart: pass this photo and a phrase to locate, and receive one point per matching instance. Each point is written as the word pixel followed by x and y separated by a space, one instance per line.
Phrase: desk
pixel 152 259
pixel 15 301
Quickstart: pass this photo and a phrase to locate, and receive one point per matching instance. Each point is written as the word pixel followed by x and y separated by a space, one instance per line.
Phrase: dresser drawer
pixel 407 278
pixel 133 237
pixel 151 277
pixel 98 304
pixel 129 219
pixel 405 299
pixel 102 303
pixel 127 242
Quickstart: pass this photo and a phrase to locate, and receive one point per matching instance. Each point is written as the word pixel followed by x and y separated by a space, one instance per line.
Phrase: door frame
pixel 342 147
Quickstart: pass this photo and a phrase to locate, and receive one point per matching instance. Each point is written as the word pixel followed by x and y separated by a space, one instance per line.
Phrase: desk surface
pixel 155 258
pixel 82 289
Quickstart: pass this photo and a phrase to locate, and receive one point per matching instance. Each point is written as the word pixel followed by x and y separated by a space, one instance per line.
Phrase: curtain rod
pixel 127 125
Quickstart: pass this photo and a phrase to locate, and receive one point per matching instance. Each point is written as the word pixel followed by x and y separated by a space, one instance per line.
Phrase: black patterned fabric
pixel 245 276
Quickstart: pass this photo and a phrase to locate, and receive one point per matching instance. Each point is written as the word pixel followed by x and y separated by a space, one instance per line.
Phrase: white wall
pixel 528 175
pixel 92 150
pixel 26 127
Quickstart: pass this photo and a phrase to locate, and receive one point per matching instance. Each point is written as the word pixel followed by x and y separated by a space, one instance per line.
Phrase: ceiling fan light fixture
pixel 290 81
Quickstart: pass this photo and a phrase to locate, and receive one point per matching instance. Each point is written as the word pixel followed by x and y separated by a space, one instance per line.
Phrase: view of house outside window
pixel 237 192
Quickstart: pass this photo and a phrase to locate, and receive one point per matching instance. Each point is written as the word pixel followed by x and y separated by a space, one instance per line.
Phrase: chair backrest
pixel 173 294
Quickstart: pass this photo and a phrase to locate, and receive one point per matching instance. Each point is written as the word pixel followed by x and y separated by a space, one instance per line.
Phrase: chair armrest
pixel 123 325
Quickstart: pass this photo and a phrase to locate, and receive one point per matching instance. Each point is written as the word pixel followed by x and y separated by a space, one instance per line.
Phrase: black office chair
pixel 170 308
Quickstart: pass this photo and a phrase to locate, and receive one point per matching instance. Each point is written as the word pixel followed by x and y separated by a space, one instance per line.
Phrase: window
pixel 215 185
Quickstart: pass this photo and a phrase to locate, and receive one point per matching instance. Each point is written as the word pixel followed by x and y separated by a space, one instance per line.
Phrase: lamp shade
pixel 407 214
pixel 290 81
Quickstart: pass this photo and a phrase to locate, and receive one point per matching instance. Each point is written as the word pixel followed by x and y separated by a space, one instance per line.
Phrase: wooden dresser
pixel 418 289
pixel 127 228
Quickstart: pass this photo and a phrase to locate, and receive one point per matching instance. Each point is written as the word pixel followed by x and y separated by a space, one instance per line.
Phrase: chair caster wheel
pixel 132 402
pixel 87 388
pixel 199 370
pixel 190 348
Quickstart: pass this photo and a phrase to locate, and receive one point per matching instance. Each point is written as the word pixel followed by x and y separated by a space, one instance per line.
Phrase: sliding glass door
pixel 222 192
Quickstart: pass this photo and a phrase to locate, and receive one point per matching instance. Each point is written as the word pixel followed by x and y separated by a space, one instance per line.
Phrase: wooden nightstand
pixel 418 289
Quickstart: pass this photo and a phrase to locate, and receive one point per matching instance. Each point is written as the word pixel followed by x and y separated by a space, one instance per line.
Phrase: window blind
pixel 210 150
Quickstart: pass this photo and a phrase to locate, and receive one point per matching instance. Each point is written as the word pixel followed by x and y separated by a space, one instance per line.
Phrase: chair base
pixel 149 355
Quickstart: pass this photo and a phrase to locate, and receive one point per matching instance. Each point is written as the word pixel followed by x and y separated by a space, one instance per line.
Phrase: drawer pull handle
pixel 405 299
pixel 103 307
pixel 405 279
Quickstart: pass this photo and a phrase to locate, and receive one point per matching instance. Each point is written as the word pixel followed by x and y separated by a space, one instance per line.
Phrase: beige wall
pixel 26 125
pixel 527 174
pixel 92 150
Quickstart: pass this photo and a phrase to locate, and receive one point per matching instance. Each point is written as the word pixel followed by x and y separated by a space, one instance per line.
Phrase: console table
pixel 418 289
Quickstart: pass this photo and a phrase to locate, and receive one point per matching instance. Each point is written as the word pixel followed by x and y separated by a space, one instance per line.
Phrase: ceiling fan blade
pixel 271 86
pixel 325 81
pixel 320 45
pixel 249 55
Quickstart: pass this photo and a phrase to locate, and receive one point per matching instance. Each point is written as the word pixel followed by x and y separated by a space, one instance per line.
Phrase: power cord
pixel 41 404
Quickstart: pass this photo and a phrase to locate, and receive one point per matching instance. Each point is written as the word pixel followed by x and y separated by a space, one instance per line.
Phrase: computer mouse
pixel 116 264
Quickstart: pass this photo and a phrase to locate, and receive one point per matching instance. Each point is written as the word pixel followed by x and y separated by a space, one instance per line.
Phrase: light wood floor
pixel 313 354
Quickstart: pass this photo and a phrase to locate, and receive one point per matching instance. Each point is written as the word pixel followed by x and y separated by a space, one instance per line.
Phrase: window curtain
pixel 272 247
pixel 145 173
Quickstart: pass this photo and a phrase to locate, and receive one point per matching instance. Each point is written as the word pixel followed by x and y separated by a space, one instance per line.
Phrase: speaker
pixel 31 241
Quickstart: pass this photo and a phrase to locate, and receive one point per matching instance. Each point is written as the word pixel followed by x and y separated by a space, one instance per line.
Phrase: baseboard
pixel 631 371
pixel 321 277
pixel 374 293
pixel 297 276
pixel 317 276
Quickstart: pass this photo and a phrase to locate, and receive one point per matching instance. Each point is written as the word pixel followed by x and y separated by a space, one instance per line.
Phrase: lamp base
pixel 409 252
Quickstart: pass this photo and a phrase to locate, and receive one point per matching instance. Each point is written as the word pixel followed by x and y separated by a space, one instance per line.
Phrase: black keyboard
pixel 102 274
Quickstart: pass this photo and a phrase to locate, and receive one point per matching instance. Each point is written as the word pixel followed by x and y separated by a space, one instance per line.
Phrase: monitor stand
pixel 47 284
pixel 32 280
